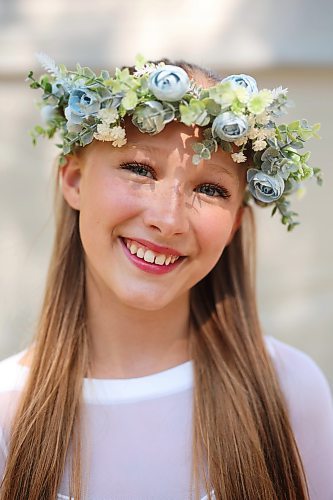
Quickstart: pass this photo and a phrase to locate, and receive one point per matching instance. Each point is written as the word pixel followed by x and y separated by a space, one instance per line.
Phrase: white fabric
pixel 140 429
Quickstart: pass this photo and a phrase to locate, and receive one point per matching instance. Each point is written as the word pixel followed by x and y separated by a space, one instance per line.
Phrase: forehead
pixel 176 142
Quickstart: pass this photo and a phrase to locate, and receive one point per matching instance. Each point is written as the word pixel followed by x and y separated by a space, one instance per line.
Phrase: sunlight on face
pixel 150 191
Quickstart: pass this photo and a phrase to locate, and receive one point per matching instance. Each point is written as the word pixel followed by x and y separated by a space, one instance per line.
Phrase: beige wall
pixel 295 272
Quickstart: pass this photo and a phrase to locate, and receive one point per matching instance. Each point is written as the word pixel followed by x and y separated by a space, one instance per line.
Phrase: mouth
pixel 148 259
pixel 149 255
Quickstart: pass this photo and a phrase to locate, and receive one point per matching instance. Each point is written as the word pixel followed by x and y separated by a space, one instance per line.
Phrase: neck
pixel 127 342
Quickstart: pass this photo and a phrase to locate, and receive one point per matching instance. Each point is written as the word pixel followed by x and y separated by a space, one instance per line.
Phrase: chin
pixel 147 305
pixel 144 300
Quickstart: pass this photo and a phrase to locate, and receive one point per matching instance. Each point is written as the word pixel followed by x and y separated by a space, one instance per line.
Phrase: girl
pixel 149 376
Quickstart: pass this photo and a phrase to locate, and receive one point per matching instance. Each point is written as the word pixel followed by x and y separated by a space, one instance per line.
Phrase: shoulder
pixel 299 375
pixel 12 378
pixel 12 374
pixel 309 400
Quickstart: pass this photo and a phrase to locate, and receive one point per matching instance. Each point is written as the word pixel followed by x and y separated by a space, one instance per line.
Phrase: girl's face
pixel 152 224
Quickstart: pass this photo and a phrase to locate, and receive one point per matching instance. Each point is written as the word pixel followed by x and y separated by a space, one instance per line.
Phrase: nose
pixel 166 210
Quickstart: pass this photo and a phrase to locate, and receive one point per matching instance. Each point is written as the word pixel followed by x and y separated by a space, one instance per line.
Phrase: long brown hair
pixel 243 444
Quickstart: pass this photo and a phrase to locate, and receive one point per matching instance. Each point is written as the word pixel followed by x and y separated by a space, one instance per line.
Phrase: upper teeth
pixel 150 256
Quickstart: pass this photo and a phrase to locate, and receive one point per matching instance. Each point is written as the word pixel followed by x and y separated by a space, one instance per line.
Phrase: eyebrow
pixel 218 167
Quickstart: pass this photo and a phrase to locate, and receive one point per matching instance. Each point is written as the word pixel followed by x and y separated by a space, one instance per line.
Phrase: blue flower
pixel 229 127
pixel 264 187
pixel 246 81
pixel 81 104
pixel 169 83
pixel 153 116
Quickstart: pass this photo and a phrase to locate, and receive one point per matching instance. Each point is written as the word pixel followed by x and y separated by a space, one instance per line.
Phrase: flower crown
pixel 236 116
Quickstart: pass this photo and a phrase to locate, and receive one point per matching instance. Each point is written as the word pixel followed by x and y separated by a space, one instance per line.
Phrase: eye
pixel 214 190
pixel 139 168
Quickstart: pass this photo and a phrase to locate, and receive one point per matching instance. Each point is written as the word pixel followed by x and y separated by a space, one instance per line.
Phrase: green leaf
pixel 48 88
pixel 297 145
pixel 62 161
pixel 205 154
pixel 197 147
pixel 294 126
pixel 226 146
pixel 211 106
pixel 140 61
pixel 88 73
pixel 130 100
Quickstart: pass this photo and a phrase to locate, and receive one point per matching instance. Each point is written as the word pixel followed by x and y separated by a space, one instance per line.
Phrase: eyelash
pixel 135 167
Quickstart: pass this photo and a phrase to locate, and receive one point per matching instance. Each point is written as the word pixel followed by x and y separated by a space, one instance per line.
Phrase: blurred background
pixel 288 43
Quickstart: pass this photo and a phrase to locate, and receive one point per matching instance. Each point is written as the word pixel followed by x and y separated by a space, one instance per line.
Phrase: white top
pixel 138 431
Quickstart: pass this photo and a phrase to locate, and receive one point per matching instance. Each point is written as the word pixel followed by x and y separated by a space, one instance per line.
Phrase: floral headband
pixel 236 116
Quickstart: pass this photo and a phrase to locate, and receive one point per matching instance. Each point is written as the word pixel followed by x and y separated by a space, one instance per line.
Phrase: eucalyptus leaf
pixel 197 147
pixel 196 159
pixel 205 154
pixel 226 146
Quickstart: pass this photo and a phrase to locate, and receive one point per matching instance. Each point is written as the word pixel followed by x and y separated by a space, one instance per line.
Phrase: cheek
pixel 213 232
pixel 106 203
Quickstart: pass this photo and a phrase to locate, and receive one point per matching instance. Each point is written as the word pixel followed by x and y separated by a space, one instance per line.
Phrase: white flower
pixel 241 141
pixel 119 142
pixel 253 133
pixel 270 132
pixel 259 145
pixel 103 132
pixel 277 92
pixel 251 119
pixel 108 115
pixel 147 69
pixel 103 128
pixel 262 119
pixel 261 136
pixel 115 134
pixel 118 136
pixel 238 157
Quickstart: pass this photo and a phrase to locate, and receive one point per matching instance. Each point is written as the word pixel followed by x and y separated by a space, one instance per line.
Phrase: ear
pixel 237 223
pixel 70 175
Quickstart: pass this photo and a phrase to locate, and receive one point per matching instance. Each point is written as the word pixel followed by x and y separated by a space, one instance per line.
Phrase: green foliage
pixel 277 149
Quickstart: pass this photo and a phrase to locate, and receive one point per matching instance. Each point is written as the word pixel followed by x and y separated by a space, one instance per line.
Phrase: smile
pixel 149 255
pixel 149 260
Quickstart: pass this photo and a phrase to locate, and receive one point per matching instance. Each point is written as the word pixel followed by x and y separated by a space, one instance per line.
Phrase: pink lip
pixel 147 266
pixel 156 248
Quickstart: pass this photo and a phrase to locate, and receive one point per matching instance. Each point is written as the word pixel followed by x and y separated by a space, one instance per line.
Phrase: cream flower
pixel 241 141
pixel 253 133
pixel 270 132
pixel 118 136
pixel 103 132
pixel 115 134
pixel 119 142
pixel 265 133
pixel 108 115
pixel 238 157
pixel 259 145
pixel 262 119
pixel 251 119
